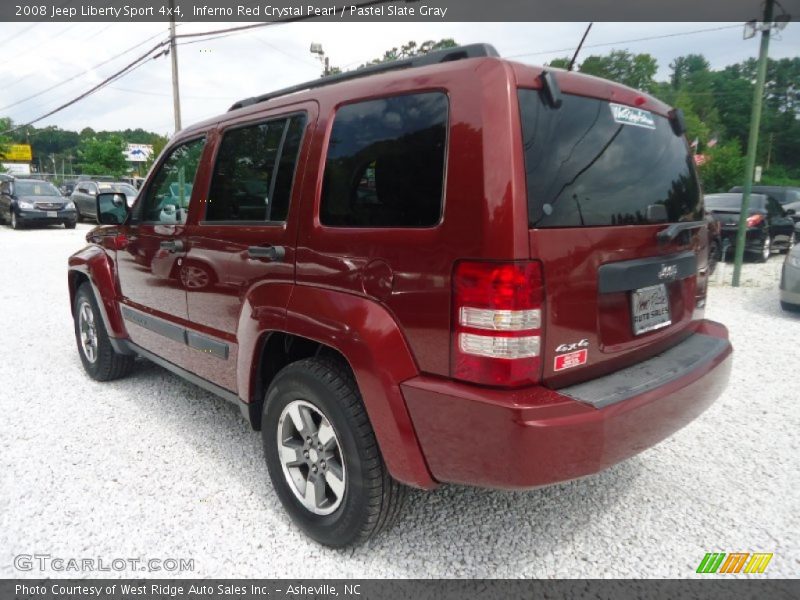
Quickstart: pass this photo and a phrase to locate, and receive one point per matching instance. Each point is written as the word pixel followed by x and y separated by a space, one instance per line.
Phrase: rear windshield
pixel 591 163
pixel 731 201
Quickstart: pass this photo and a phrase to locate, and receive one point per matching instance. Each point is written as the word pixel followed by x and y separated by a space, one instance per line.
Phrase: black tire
pixel 371 500
pixel 13 222
pixel 766 249
pixel 714 252
pixel 107 364
pixel 78 215
pixel 789 244
pixel 790 307
pixel 69 224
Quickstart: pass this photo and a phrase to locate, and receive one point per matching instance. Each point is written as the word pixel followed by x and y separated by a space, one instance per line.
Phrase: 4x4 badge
pixel 584 343
pixel 668 272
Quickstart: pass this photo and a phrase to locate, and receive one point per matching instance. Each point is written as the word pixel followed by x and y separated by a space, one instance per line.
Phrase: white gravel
pixel 152 467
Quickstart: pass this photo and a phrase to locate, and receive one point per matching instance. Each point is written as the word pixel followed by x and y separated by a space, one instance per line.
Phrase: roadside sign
pixel 757 174
pixel 17 153
pixel 138 152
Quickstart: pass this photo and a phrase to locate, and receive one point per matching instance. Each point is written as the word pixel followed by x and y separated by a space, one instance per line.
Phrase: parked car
pixel 790 278
pixel 788 197
pixel 783 194
pixel 769 226
pixel 34 202
pixel 714 242
pixel 85 195
pixel 449 268
pixel 68 187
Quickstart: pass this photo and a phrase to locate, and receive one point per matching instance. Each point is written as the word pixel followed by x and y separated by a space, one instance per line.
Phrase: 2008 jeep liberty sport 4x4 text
pixel 452 268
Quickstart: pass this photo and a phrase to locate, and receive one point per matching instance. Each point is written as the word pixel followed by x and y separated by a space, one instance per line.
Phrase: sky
pixel 215 73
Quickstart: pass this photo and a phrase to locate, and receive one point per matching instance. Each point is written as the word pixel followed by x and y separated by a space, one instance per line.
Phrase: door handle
pixel 173 245
pixel 274 253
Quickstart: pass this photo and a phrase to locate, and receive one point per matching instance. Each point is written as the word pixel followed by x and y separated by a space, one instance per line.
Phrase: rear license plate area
pixel 650 309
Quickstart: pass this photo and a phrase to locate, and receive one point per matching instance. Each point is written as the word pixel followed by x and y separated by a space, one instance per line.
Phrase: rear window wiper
pixel 668 234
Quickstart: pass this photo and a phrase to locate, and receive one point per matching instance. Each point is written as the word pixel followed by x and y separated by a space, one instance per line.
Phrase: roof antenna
pixel 578 49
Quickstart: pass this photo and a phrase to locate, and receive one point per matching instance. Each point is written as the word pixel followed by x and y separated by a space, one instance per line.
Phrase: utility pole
pixel 752 140
pixel 173 52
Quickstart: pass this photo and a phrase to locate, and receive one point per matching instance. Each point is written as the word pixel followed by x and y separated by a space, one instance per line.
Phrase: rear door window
pixel 385 163
pixel 591 163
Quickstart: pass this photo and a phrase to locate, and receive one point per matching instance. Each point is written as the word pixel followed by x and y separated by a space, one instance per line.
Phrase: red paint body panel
pixel 93 262
pixel 535 437
pixel 367 334
pixel 382 296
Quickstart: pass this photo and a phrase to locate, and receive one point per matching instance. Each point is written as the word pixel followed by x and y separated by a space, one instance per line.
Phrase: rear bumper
pixel 753 241
pixel 533 437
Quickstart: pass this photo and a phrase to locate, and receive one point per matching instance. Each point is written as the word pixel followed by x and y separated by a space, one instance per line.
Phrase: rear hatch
pixel 616 219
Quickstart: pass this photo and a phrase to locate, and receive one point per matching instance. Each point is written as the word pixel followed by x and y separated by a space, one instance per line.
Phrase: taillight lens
pixel 497 321
pixel 755 220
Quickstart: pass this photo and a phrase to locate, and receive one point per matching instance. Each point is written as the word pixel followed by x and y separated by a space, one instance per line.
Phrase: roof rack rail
pixel 431 58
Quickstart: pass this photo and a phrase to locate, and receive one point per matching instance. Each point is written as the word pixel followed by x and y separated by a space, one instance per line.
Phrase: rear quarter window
pixel 385 163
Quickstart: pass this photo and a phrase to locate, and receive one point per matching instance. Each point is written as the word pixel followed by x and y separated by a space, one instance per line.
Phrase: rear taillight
pixel 755 220
pixel 497 323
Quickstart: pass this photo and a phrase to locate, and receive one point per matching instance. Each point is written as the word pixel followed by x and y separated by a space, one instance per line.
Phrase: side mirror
pixel 790 211
pixel 112 209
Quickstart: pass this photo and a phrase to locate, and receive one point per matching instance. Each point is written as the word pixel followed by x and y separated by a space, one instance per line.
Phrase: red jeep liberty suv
pixel 451 268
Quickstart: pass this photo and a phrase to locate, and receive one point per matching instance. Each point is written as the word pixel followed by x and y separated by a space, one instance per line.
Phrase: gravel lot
pixel 152 467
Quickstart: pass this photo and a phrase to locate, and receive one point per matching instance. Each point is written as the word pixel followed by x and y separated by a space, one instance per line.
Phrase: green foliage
pixel 101 157
pixel 5 125
pixel 724 168
pixel 634 70
pixel 412 49
pixel 560 63
pixel 158 142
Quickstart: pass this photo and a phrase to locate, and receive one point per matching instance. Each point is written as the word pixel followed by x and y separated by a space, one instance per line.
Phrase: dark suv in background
pixel 34 202
pixel 450 268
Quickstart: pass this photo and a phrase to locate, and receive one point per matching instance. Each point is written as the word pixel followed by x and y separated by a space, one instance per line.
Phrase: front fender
pixel 93 263
pixel 367 335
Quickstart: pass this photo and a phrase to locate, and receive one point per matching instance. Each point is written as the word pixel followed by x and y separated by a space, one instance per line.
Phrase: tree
pixel 634 70
pixel 5 125
pixel 102 157
pixel 685 67
pixel 560 63
pixel 412 49
pixel 723 168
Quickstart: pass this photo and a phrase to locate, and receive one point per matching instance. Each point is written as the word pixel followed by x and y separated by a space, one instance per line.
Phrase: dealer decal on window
pixel 627 115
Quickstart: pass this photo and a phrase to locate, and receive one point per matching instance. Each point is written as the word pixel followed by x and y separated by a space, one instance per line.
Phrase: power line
pixel 643 39
pixel 130 67
pixel 19 33
pixel 138 62
pixel 73 77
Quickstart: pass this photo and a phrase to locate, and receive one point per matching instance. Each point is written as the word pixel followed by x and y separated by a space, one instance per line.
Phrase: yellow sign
pixel 17 152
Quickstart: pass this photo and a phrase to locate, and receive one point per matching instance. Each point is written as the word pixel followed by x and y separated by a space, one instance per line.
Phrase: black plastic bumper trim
pixel 694 352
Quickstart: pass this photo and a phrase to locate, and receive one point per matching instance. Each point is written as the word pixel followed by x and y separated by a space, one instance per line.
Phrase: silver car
pixel 790 277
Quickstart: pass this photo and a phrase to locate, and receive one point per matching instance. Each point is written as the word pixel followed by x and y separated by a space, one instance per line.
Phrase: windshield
pixel 35 188
pixel 122 188
pixel 731 202
pixel 591 163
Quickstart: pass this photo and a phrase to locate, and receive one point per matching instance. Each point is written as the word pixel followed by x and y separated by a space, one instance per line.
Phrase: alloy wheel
pixel 311 457
pixel 88 332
